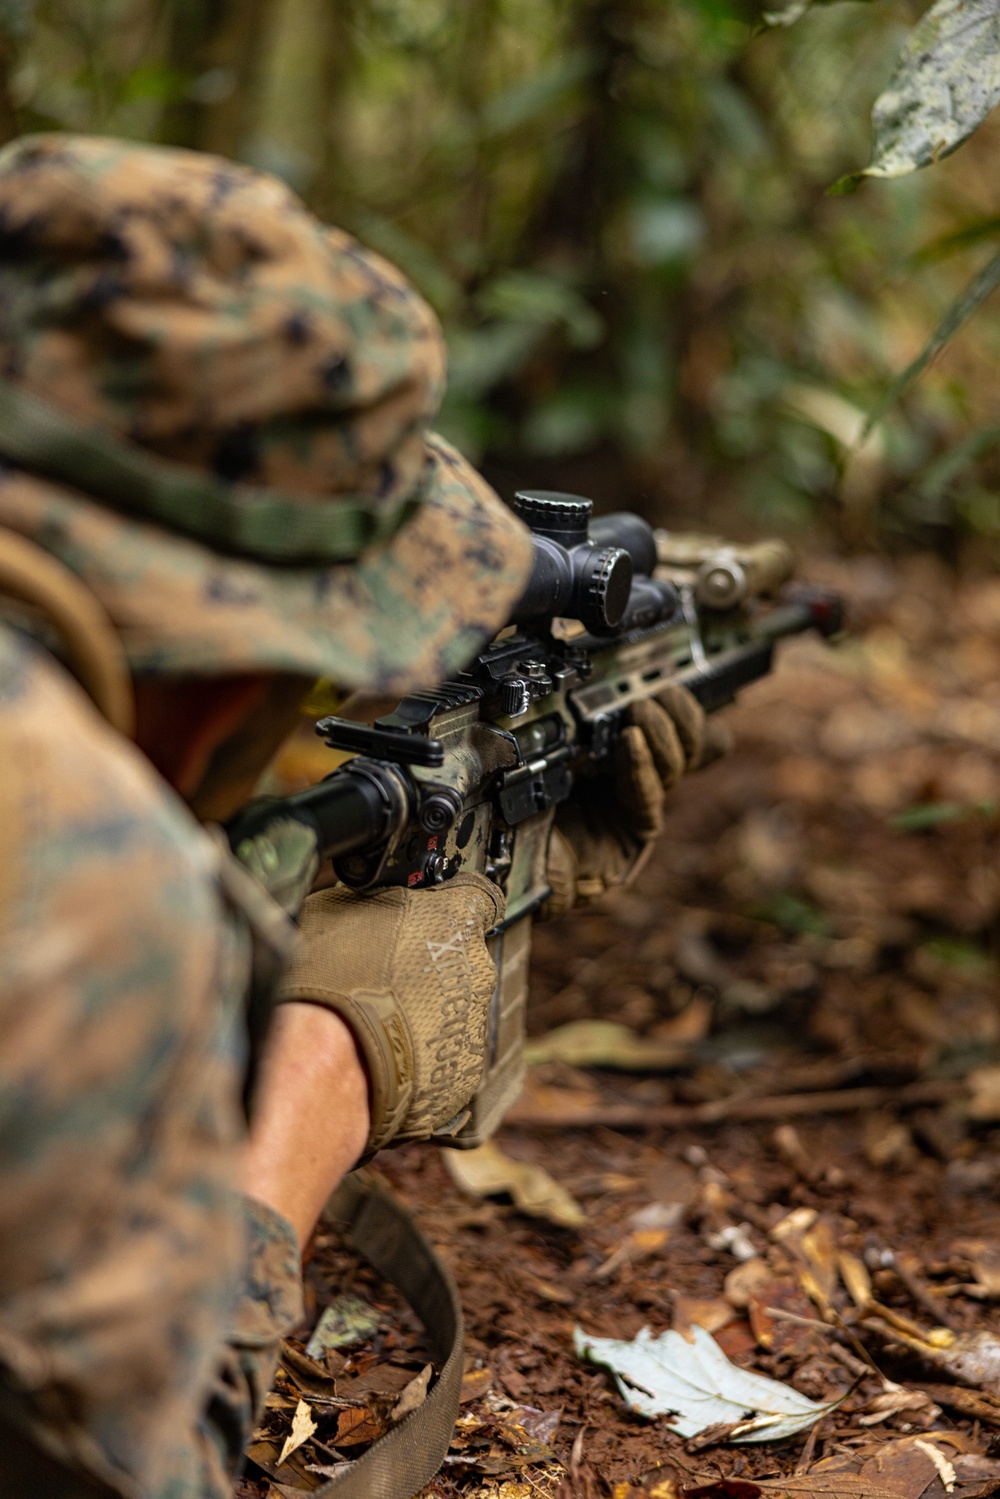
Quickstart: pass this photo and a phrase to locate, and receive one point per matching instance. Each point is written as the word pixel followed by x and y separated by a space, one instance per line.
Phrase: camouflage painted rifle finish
pixel 468 776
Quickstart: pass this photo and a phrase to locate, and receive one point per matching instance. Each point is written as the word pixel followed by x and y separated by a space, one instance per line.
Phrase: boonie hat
pixel 215 410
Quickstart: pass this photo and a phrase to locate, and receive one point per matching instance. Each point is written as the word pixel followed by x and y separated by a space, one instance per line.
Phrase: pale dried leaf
pixel 746 1281
pixel 984 1105
pixel 984 1257
pixel 944 1467
pixel 695 1386
pixel 606 1043
pixel 303 1427
pixel 414 1395
pixel 487 1171
pixel 857 1281
pixel 892 1400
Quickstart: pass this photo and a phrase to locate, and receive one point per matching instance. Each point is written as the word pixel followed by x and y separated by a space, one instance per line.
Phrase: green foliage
pixel 617 209
pixel 793 914
pixel 946 82
pixel 930 815
pixel 964 306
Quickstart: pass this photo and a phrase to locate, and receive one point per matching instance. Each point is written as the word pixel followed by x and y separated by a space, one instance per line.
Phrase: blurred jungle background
pixel 619 209
pixel 790 1026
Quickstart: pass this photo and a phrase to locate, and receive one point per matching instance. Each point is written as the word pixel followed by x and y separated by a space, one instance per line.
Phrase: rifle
pixel 468 775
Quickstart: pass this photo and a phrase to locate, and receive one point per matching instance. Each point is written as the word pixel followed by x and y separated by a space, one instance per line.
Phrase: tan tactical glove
pixel 603 833
pixel 409 972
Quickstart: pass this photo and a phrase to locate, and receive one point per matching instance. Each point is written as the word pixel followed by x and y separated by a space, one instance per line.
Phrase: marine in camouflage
pixel 194 309
pixel 133 1279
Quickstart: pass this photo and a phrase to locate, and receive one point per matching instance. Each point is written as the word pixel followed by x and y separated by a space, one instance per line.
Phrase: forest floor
pixel 801 1153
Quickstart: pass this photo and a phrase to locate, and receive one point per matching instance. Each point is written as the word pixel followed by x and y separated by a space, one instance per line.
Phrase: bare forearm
pixel 310 1120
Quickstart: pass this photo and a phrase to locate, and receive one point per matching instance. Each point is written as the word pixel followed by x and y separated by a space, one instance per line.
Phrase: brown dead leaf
pixel 886 1141
pixel 475 1383
pixel 745 1280
pixel 736 1340
pixel 310 1377
pixel 972 1403
pixel 819 1247
pixel 711 1313
pixel 264 1452
pixel 639 1245
pixel 857 1281
pixel 557 1106
pixel 929 1466
pixel 380 1379
pixel 973 1358
pixel 357 1426
pixel 780 1316
pixel 789 1146
pixel 547 1290
pixel 808 1239
pixel 984 1257
pixel 722 1488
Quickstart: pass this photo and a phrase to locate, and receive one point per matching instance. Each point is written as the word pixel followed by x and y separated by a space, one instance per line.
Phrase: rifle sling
pixel 403 1461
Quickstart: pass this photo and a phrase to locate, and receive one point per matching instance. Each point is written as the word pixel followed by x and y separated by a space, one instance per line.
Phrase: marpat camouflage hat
pixel 215 410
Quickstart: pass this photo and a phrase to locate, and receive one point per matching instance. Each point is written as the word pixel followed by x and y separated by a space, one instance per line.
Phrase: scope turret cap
pixel 215 410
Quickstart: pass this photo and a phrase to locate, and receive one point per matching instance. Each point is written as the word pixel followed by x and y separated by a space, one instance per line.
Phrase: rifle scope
pixel 596 572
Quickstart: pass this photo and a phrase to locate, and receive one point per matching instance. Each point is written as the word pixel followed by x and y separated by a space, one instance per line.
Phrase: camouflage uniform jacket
pixel 141 1298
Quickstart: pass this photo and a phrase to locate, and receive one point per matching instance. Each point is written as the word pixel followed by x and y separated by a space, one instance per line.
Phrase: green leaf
pixel 928 815
pixel 793 914
pixel 664 231
pixel 17 17
pixel 525 101
pixel 973 296
pixel 531 297
pixel 956 953
pixel 419 262
pixel 957 241
pixel 793 12
pixel 937 477
pixel 945 83
pixel 570 419
pixel 156 82
pixel 347 1320
pixel 479 358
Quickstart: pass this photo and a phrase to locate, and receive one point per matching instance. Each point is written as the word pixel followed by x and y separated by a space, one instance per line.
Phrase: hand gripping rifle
pixel 468 775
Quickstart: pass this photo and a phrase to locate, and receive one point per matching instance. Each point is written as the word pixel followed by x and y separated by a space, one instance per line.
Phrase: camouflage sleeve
pixel 136 1339
pixel 268 1305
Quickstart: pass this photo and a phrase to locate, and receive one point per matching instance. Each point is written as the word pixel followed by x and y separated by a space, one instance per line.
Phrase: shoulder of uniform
pixel 79 801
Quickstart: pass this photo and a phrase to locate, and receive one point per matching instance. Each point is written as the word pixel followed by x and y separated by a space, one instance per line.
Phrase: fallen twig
pixel 738 1108
pixel 973 1403
pixel 920 1294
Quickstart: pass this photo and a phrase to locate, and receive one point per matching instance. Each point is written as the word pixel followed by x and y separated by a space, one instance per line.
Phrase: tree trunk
pixel 219 45
pixel 8 110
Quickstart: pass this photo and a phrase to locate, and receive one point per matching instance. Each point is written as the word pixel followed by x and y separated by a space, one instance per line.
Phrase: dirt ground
pixel 811 963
